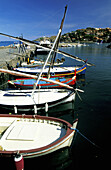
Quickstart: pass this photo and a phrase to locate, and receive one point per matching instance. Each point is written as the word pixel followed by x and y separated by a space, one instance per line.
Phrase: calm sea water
pixel 93 112
pixel 6 43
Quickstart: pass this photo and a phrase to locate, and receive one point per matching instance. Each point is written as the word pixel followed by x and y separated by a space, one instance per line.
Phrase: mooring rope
pixel 3 84
pixel 85 137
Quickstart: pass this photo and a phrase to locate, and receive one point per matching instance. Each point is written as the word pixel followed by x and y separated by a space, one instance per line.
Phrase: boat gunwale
pixel 32 71
pixel 71 93
pixel 68 81
pixel 32 152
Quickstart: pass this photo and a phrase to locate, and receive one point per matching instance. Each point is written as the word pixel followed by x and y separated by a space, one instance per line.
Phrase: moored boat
pixel 55 71
pixel 34 100
pixel 33 136
pixel 35 63
pixel 28 83
pixel 44 43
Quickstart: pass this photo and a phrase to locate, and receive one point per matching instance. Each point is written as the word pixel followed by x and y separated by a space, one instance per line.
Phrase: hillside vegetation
pixel 87 34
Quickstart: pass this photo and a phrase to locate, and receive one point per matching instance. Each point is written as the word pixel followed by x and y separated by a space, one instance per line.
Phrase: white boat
pixel 30 136
pixel 79 45
pixel 69 45
pixel 26 100
pixel 55 71
pixel 44 43
pixel 35 63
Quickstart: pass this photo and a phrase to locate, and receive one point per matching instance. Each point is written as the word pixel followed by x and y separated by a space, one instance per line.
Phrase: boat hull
pixel 28 83
pixel 51 161
pixel 56 71
pixel 25 142
pixel 19 101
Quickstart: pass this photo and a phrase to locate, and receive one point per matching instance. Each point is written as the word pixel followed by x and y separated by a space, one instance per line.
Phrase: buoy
pixel 19 162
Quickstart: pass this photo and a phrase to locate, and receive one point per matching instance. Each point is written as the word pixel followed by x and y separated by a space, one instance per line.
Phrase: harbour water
pixel 93 112
pixel 6 43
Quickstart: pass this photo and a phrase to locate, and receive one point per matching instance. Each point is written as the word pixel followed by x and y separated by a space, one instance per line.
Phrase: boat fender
pixel 35 109
pixel 15 109
pixel 46 107
pixel 19 162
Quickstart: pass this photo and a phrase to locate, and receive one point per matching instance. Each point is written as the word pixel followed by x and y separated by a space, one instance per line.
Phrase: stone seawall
pixel 8 58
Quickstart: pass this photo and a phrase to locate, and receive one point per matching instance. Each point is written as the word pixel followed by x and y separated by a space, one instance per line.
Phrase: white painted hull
pixel 52 70
pixel 55 71
pixel 24 100
pixel 65 143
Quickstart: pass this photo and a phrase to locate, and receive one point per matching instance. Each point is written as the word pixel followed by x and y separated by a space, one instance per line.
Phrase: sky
pixel 37 18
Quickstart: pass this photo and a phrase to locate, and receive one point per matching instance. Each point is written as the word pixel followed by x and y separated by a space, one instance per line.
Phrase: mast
pixel 53 47
pixel 56 46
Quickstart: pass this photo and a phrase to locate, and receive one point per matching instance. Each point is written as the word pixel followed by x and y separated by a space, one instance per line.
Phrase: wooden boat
pixel 33 100
pixel 28 83
pixel 35 63
pixel 55 71
pixel 24 137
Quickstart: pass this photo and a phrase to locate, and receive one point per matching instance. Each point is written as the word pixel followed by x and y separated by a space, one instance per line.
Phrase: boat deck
pixel 13 97
pixel 17 134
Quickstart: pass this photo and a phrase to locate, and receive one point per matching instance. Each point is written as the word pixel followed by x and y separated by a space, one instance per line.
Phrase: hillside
pixel 87 34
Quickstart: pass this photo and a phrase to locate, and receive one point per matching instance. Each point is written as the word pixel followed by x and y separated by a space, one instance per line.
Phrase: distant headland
pixel 84 35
